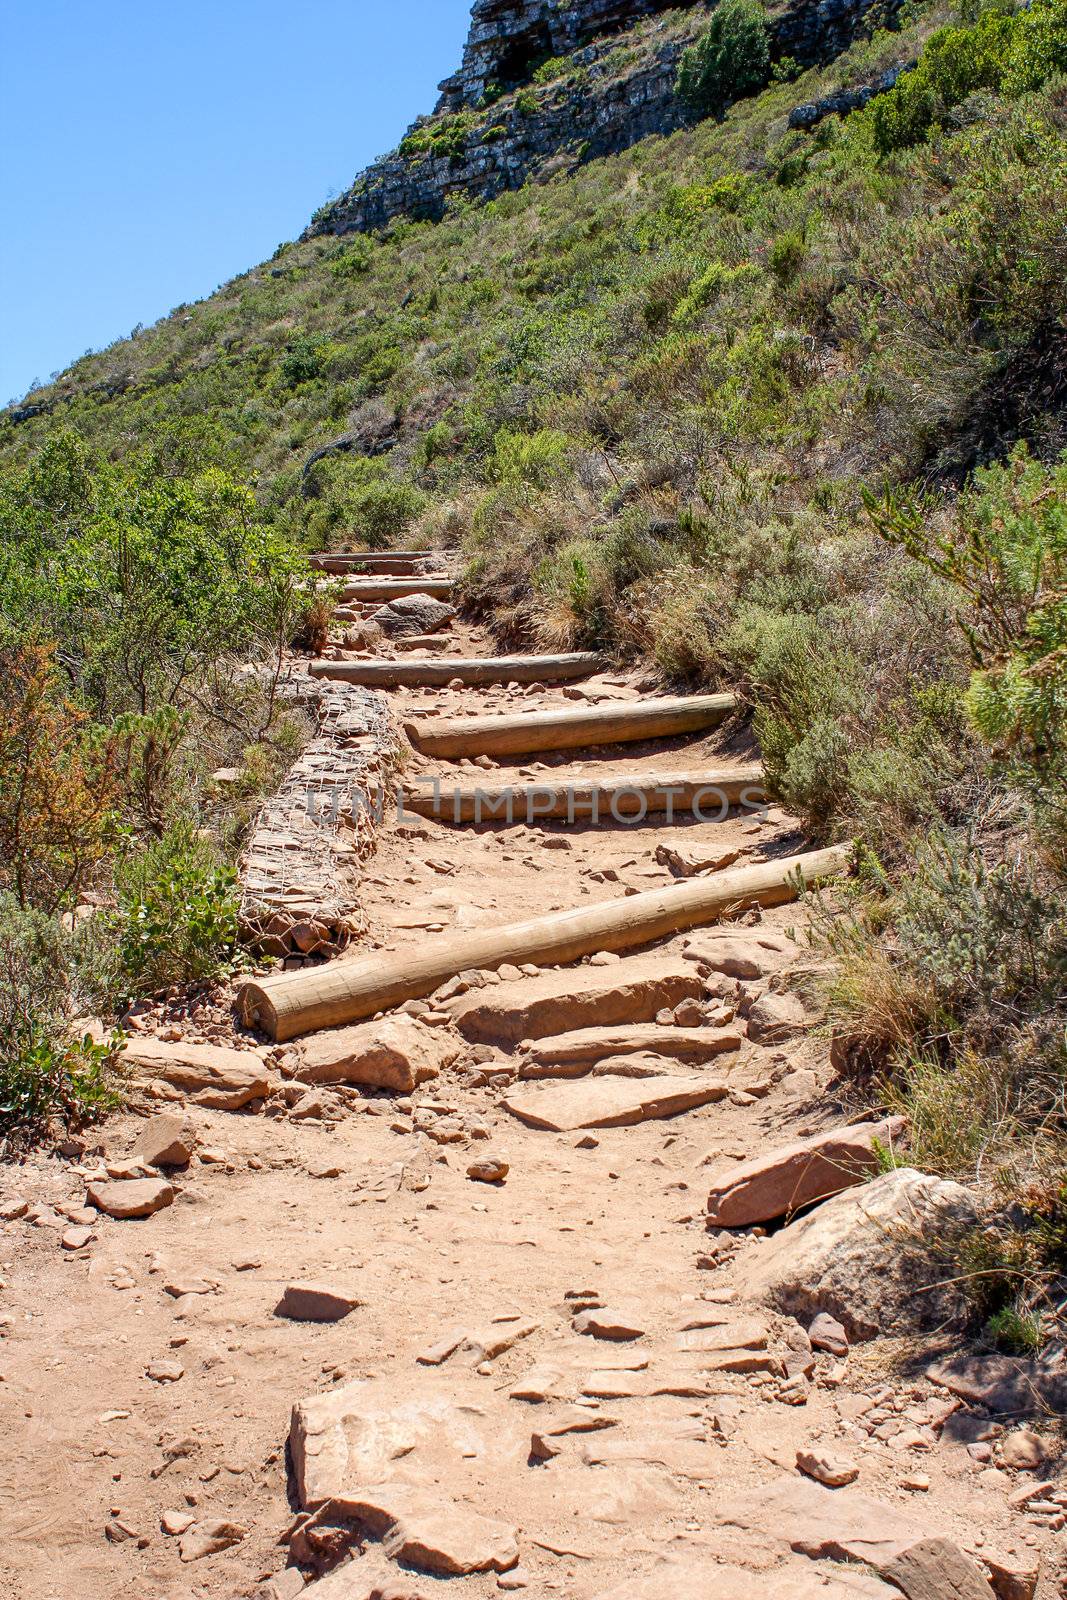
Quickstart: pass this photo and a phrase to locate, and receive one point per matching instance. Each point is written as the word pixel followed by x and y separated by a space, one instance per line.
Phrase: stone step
pixel 524 732
pixel 382 589
pixel 576 1053
pixel 707 796
pixel 391 563
pixel 424 673
pixel 611 1102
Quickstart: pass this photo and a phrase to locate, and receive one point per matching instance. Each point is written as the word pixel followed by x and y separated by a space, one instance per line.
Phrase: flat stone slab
pixel 572 1055
pixel 575 997
pixel 315 1302
pixel 795 1175
pixel 428 1530
pixel 611 1102
pixel 825 1524
pixel 699 1578
pixel 432 1430
pixel 936 1569
pixel 210 1074
pixel 130 1198
pixel 1005 1385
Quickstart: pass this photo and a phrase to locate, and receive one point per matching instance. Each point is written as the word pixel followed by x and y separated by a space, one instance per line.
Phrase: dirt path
pixel 599 1411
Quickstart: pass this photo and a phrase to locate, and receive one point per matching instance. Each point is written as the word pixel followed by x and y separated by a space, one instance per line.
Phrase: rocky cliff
pixel 545 86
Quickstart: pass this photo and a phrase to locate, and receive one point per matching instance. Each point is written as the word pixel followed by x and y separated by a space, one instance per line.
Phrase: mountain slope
pixel 716 400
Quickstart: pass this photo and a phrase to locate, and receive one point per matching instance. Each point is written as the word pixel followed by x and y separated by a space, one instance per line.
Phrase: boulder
pixel 826 1467
pixel 395 1053
pixel 795 1175
pixel 611 1102
pixel 826 1333
pixel 430 1532
pixel 165 1141
pixel 490 1168
pixel 413 614
pixel 556 1002
pixel 873 1257
pixel 775 1016
pixel 209 1538
pixel 1023 1450
pixel 1013 1577
pixel 211 1075
pixel 604 1323
pixel 137 1197
pixel 572 1055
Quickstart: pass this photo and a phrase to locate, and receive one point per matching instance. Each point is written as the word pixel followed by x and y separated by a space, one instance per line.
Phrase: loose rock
pixel 315 1302
pixel 139 1197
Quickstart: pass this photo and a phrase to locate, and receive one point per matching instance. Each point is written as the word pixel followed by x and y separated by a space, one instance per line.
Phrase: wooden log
pixel 524 732
pixel 385 589
pixel 384 674
pixel 343 991
pixel 708 796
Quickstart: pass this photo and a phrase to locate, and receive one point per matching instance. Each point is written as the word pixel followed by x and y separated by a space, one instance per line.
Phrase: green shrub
pixel 732 58
pixel 176 920
pixel 353 261
pixel 303 361
pixel 1003 53
pixel 1006 556
pixel 44 1072
pixel 534 459
pixel 555 67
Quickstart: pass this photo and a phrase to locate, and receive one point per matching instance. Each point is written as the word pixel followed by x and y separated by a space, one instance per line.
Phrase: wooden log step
pixel 422 673
pixel 707 796
pixel 526 731
pixel 384 589
pixel 295 1003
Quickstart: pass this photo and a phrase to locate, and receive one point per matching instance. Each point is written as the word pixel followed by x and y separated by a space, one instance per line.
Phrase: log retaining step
pixel 423 673
pixel 524 732
pixel 343 991
pixel 708 796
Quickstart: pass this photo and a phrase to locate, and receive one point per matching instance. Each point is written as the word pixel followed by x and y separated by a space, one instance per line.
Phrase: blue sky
pixel 151 151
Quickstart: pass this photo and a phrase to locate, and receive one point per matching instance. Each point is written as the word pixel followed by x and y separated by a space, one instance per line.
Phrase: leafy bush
pixel 1003 53
pixel 1006 555
pixel 529 458
pixel 731 58
pixel 176 920
pixel 44 1072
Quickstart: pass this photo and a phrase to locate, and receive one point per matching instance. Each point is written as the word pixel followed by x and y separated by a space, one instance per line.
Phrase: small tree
pixel 732 58
pixel 57 787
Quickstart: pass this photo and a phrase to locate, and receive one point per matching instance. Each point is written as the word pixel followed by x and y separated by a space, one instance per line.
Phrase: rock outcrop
pixel 605 79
